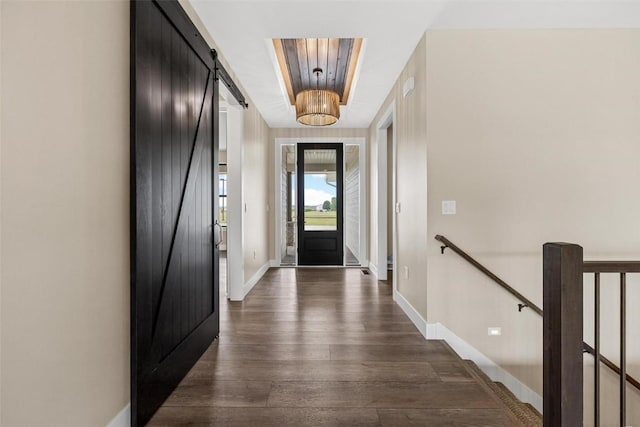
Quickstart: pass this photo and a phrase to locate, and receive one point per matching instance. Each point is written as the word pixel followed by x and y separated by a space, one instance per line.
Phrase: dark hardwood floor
pixel 327 347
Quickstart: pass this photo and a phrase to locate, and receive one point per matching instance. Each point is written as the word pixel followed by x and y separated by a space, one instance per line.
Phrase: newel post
pixel 562 335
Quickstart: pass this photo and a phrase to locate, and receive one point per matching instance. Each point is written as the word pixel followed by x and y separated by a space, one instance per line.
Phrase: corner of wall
pixel 437 331
pixel 411 312
pixel 123 418
pixel 410 180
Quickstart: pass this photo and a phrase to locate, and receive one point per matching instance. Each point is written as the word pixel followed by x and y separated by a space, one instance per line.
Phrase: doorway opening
pixel 321 202
pixel 390 199
pixel 230 187
pixel 223 210
pixel 387 205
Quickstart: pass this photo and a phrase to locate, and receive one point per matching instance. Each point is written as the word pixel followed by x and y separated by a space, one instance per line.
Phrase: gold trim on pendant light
pixel 317 107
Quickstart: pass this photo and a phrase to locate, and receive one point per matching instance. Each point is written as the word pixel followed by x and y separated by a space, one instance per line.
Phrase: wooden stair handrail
pixel 589 267
pixel 448 244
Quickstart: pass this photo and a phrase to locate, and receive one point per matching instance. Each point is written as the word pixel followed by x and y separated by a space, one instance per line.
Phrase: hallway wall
pixel 256 169
pixel 411 184
pixel 256 192
pixel 64 191
pixel 535 134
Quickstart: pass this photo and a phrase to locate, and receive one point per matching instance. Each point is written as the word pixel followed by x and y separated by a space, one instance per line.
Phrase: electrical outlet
pixel 254 254
pixel 406 272
pixel 494 331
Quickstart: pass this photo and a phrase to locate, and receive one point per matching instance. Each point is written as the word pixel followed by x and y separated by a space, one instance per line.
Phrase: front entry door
pixel 320 197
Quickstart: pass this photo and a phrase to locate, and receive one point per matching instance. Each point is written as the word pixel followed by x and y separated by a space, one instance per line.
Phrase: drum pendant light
pixel 317 107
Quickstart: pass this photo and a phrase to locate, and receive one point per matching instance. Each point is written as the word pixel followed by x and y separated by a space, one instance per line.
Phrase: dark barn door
pixel 174 292
pixel 320 194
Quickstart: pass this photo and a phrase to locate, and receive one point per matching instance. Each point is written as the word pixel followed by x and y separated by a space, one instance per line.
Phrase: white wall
pixel 256 170
pixel 411 181
pixel 64 192
pixel 259 204
pixel 536 135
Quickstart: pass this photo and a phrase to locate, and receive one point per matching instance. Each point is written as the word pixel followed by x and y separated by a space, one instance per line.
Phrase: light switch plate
pixel 448 207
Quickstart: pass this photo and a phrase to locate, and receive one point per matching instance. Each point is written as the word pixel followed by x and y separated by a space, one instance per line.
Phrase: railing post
pixel 562 335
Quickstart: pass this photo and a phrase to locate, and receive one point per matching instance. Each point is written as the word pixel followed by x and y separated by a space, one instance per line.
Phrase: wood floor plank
pixel 419 351
pixel 344 338
pixel 451 371
pixel 242 316
pixel 297 326
pixel 221 393
pixel 311 370
pixel 281 352
pixel 443 418
pixel 394 326
pixel 379 395
pixel 265 417
pixel 338 316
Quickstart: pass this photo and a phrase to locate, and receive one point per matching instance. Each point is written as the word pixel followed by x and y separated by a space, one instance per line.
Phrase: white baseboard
pixel 273 263
pixel 123 419
pixel 411 312
pixel 249 284
pixel 373 269
pixel 496 373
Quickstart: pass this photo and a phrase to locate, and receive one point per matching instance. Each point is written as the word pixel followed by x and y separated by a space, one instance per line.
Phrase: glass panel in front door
pixel 320 192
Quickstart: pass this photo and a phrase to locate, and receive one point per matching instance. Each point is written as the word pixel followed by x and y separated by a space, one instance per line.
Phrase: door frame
pixel 235 197
pixel 388 118
pixel 364 207
pixel 315 235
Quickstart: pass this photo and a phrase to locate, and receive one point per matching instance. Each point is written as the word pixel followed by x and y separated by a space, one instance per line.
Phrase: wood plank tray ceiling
pixel 337 57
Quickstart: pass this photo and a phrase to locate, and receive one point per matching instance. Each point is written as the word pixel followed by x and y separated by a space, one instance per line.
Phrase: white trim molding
pixel 411 312
pixel 373 269
pixel 249 284
pixel 123 418
pixel 235 202
pixel 384 222
pixel 437 331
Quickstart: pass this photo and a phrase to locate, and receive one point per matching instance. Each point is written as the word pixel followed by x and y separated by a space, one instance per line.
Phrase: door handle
pixel 217 234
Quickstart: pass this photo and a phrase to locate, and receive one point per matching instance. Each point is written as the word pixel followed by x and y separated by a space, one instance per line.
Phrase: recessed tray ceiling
pixel 336 57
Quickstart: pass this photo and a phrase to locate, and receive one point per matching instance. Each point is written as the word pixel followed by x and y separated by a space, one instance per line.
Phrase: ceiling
pixel 324 63
pixel 244 29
